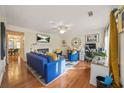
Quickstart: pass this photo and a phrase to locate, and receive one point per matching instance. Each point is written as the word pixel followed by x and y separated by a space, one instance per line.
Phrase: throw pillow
pixel 53 55
pixel 74 51
pixel 58 50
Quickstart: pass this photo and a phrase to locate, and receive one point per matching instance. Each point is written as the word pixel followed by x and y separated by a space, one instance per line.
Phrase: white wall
pixel 55 41
pixel 30 38
pixel 2 10
pixel 122 57
pixel 82 36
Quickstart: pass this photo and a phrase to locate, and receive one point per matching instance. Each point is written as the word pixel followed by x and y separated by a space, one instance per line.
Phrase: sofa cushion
pixel 49 58
pixel 53 56
pixel 58 50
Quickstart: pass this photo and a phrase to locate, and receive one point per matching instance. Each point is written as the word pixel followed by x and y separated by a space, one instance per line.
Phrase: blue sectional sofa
pixel 45 66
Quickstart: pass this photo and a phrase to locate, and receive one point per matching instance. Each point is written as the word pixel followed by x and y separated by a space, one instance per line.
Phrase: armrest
pixel 62 65
pixel 54 69
pixel 51 71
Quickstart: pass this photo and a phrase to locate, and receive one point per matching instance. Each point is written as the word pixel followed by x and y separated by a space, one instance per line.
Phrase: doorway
pixel 15 46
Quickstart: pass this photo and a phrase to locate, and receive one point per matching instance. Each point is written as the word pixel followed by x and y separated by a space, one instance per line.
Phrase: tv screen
pixel 41 38
pixel 91 46
pixel 2 31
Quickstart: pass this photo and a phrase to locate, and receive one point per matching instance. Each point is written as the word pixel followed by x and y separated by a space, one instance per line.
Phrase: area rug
pixel 37 76
pixel 68 65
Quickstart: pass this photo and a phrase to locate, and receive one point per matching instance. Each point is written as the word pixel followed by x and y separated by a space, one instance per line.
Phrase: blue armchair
pixel 73 56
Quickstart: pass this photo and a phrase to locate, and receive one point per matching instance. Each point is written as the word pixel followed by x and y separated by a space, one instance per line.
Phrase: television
pixel 90 46
pixel 3 41
pixel 42 38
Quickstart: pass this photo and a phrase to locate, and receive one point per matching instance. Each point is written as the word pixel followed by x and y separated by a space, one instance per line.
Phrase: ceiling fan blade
pixel 68 25
pixel 51 22
pixel 60 23
pixel 54 31
pixel 57 27
pixel 54 27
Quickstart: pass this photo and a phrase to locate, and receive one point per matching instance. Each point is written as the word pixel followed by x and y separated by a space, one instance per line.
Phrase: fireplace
pixel 90 46
pixel 43 50
pixel 88 51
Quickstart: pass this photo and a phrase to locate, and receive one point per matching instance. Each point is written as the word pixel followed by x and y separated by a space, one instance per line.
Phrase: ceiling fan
pixel 60 26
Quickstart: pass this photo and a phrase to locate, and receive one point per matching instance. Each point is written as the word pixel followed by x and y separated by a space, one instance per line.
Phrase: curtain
pixel 113 51
pixel 2 31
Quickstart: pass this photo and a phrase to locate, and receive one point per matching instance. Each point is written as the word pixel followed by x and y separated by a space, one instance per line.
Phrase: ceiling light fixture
pixel 62 31
pixel 61 27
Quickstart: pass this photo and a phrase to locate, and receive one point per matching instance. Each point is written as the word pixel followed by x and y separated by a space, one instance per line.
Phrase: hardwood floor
pixel 13 58
pixel 18 76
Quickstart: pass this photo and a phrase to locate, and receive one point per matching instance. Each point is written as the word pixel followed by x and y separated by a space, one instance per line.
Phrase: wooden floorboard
pixel 18 76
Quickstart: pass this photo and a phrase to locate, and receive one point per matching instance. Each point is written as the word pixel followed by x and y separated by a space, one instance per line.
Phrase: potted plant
pixel 99 57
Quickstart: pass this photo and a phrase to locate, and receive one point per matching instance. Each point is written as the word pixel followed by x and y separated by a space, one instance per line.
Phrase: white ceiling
pixel 38 17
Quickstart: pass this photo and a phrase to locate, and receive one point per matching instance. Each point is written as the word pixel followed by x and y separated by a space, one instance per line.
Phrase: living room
pixel 73 39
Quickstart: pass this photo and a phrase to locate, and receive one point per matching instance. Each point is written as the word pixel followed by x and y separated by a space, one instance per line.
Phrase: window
pixel 18 45
pixel 11 43
pixel 107 43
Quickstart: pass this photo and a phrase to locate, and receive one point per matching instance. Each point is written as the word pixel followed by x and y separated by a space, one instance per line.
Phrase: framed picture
pixel 42 38
pixel 92 38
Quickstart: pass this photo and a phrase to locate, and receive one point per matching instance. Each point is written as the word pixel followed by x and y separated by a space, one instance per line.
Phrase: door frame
pixel 10 32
